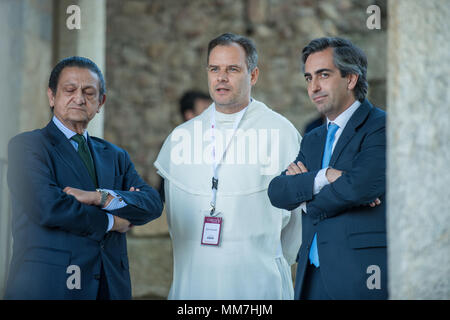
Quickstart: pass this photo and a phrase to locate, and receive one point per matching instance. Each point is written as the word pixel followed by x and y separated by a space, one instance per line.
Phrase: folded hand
pixel 296 168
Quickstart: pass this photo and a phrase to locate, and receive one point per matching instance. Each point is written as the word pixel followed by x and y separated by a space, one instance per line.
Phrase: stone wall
pixel 419 150
pixel 155 50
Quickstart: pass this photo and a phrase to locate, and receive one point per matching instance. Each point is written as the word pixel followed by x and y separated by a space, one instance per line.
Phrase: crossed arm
pixel 34 187
pixel 331 174
pixel 93 198
pixel 363 184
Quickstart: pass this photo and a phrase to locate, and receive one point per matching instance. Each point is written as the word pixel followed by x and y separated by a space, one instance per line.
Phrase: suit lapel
pixel 67 153
pixel 350 129
pixel 103 162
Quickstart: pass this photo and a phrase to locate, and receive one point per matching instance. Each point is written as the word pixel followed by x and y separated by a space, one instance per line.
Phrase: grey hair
pixel 247 44
pixel 347 57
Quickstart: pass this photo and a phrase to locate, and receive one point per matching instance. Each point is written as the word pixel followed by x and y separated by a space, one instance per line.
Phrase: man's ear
pixel 352 79
pixel 51 97
pixel 102 102
pixel 254 76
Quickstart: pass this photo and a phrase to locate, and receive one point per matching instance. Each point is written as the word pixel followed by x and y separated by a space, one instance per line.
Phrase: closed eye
pixel 69 89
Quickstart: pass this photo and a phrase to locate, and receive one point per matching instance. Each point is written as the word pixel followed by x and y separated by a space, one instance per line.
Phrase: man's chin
pixel 79 120
pixel 224 104
pixel 323 108
pixel 222 101
pixel 77 115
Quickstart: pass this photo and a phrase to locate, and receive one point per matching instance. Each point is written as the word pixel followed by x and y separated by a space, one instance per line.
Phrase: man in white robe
pixel 242 144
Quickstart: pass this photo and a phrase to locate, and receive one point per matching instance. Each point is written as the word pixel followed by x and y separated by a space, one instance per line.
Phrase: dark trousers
pixel 313 285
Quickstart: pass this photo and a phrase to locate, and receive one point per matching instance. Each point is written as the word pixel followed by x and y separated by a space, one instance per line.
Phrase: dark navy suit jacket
pixel 52 230
pixel 351 235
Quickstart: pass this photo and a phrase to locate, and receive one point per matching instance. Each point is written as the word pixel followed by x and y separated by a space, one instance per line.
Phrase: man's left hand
pixel 87 197
pixel 296 168
pixel 375 203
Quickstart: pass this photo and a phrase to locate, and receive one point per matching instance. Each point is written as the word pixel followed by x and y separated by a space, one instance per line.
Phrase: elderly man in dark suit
pixel 338 179
pixel 73 198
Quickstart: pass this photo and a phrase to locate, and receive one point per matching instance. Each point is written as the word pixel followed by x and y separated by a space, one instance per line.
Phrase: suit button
pixel 96 276
pixel 102 245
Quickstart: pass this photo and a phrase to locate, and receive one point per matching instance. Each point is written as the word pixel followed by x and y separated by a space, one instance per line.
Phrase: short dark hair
pixel 247 44
pixel 347 57
pixel 80 62
pixel 187 101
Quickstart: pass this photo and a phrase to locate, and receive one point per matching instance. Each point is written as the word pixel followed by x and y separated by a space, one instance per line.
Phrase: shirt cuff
pixel 320 181
pixel 303 206
pixel 110 221
pixel 116 203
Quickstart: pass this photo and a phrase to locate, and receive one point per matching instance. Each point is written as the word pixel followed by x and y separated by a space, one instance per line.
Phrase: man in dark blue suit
pixel 74 197
pixel 339 179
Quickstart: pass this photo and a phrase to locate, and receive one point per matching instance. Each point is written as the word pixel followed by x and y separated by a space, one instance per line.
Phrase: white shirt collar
pixel 343 118
pixel 66 131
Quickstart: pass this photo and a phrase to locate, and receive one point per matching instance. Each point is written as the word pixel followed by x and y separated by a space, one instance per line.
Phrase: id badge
pixel 212 227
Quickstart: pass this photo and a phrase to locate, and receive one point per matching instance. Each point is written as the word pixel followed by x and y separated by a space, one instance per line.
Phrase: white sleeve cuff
pixel 303 206
pixel 116 203
pixel 110 221
pixel 320 181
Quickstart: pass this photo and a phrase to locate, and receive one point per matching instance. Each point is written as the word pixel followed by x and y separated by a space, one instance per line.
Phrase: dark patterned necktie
pixel 86 156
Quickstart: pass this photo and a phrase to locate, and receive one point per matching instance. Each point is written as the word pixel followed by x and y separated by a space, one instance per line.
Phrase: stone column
pixel 88 41
pixel 25 60
pixel 418 149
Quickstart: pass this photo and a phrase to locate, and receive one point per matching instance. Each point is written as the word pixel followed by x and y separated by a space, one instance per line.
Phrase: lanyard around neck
pixel 218 161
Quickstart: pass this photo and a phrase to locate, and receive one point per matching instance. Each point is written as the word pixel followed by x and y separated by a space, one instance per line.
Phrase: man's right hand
pixel 121 225
pixel 333 174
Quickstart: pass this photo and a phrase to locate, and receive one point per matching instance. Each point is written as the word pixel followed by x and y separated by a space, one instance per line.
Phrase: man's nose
pixel 79 97
pixel 222 76
pixel 315 85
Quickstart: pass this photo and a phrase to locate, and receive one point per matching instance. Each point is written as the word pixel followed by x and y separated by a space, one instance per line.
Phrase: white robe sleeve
pixel 291 236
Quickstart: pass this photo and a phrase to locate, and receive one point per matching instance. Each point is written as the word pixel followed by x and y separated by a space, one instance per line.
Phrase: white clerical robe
pixel 258 242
